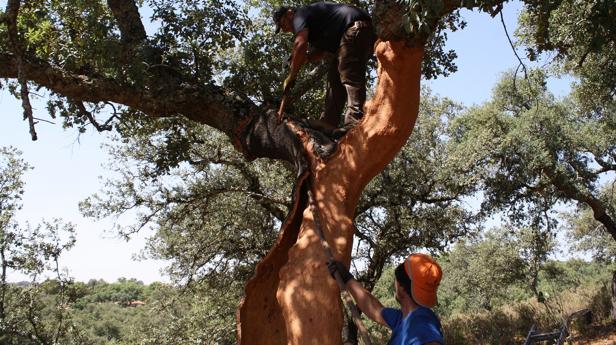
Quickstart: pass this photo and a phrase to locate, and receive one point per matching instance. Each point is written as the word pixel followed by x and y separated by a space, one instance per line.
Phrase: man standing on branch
pixel 343 30
pixel 417 280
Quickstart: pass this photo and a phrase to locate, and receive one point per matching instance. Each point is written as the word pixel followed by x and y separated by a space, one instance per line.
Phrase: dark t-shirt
pixel 326 23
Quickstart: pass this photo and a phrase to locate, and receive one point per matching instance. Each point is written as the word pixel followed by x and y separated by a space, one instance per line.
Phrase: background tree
pixel 534 152
pixel 418 201
pixel 482 272
pixel 582 38
pixel 27 315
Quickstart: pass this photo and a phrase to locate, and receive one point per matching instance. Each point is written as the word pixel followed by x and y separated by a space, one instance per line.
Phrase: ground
pixel 597 335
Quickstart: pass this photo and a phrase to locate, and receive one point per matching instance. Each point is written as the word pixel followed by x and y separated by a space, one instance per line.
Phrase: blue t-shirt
pixel 419 327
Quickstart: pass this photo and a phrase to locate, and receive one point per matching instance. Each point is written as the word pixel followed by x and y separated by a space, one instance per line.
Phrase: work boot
pixel 320 125
pixel 356 97
pixel 338 133
pixel 323 145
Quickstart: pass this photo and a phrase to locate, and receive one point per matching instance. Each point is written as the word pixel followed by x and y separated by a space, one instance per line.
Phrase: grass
pixel 510 324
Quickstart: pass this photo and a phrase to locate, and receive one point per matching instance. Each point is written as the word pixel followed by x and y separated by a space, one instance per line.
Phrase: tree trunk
pixel 292 299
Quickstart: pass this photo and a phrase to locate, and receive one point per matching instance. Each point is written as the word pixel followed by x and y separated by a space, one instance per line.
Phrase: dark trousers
pixel 346 77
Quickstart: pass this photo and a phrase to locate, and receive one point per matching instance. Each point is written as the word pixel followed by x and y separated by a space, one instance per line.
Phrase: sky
pixel 68 168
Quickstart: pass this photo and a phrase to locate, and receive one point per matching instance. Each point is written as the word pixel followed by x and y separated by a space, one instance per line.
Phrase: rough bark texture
pixel 262 307
pixel 304 310
pixel 129 20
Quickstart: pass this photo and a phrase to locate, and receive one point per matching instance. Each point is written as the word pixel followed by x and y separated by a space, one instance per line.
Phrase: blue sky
pixel 67 168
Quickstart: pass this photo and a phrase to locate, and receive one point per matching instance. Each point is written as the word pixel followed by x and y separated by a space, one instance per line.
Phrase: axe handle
pixel 283 104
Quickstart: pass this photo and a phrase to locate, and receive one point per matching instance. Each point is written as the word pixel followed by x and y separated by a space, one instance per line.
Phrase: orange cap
pixel 425 274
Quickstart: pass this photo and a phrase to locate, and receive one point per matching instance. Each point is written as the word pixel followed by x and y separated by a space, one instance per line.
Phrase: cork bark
pixel 292 299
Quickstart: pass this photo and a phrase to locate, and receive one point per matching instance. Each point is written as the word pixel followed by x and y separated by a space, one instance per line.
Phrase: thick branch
pixel 25 101
pixel 206 104
pixel 598 209
pixel 127 15
pixel 79 86
pixel 10 18
pixel 254 131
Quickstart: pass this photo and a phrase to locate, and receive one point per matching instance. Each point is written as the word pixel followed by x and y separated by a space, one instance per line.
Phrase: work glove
pixel 338 266
pixel 288 84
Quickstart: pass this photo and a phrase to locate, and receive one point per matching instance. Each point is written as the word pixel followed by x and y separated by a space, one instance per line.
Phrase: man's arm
pixel 299 52
pixel 366 302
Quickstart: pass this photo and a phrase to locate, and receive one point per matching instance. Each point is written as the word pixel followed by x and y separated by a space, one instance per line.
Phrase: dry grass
pixel 510 324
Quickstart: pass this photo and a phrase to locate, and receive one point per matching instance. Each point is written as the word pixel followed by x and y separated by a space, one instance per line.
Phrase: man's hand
pixel 288 84
pixel 337 266
pixel 367 303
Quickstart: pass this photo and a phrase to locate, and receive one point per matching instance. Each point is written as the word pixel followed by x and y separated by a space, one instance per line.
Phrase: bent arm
pixel 366 302
pixel 299 52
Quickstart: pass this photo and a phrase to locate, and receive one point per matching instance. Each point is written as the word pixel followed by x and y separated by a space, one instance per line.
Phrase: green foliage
pixel 481 274
pixel 583 36
pixel 29 315
pixel 194 34
pixel 421 19
pixel 510 323
pixel 532 151
pixel 206 315
pixel 418 199
pixel 12 168
pixel 123 292
pixel 75 35
pixel 214 214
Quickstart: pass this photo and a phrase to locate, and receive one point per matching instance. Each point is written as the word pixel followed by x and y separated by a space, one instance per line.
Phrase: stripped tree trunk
pixel 292 299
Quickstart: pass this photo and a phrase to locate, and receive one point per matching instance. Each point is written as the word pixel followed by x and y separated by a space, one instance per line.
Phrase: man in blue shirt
pixel 336 29
pixel 417 280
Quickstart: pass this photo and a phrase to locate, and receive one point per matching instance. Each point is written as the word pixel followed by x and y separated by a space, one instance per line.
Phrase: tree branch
pixel 205 104
pixel 83 111
pixel 127 15
pixel 253 130
pixel 25 101
pixel 599 210
pixel 513 48
pixel 409 21
pixel 12 10
pixel 10 18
